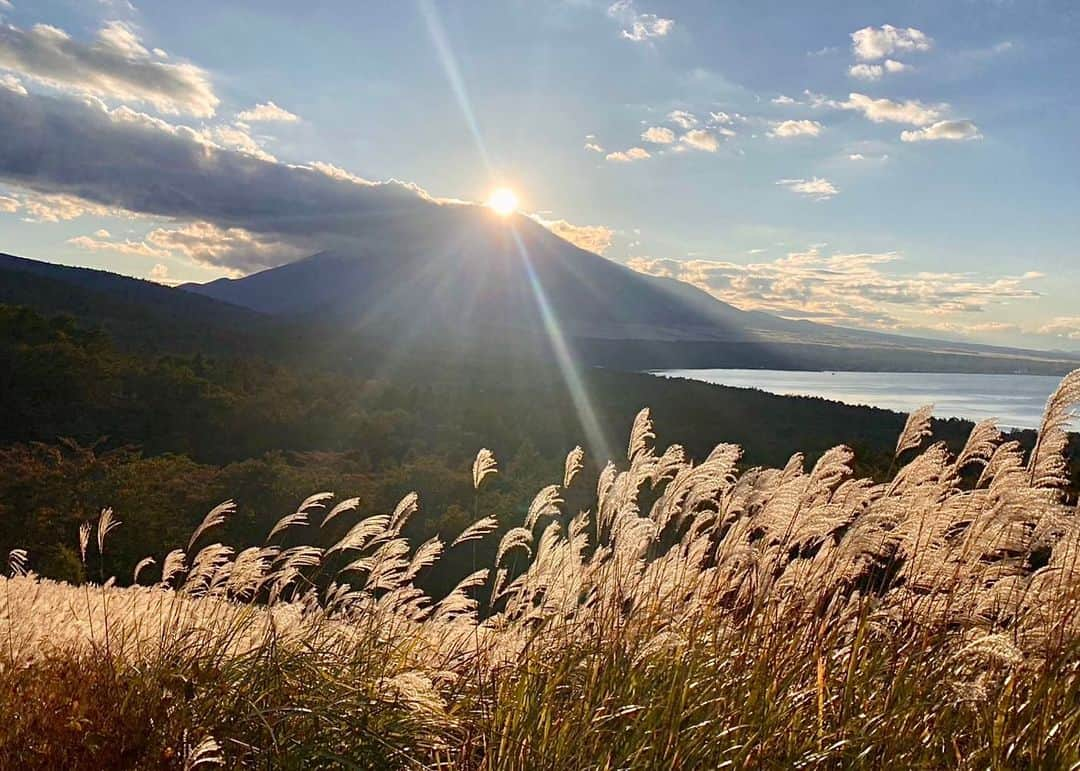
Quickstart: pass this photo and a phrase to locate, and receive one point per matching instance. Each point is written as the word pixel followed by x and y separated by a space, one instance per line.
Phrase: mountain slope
pixel 459 266
pixel 137 314
pixel 453 272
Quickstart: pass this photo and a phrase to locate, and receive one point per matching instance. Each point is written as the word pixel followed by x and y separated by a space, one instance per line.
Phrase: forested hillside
pixel 163 437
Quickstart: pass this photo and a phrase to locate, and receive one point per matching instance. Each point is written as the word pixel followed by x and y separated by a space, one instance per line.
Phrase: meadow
pixel 697 615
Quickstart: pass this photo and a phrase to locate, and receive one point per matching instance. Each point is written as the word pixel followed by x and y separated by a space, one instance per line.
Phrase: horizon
pixel 839 168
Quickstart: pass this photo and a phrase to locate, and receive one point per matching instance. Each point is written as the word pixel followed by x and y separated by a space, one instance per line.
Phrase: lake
pixel 1017 401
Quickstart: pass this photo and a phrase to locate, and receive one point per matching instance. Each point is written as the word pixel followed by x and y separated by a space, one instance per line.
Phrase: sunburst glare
pixel 503 201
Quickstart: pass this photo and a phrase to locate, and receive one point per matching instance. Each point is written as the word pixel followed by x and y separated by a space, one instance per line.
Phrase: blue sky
pixel 905 166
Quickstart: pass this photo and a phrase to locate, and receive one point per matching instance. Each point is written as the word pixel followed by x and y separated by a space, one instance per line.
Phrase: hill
pixel 137 314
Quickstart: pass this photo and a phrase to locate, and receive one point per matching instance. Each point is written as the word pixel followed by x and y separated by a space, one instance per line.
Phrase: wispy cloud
pixel 817 188
pixel 1067 327
pixel 682 119
pixel 98 243
pixel 57 207
pixel 911 111
pixel 950 130
pixel 628 156
pixel 266 113
pixel 864 71
pixel 12 83
pixel 858 289
pixel 639 27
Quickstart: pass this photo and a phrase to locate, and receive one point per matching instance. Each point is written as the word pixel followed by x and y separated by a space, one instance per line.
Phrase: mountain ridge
pixel 462 269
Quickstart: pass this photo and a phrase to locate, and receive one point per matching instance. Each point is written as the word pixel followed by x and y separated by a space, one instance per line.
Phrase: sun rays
pixel 503 201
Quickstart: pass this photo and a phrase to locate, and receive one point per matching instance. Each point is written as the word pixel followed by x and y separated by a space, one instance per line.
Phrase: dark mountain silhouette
pixel 455 272
pixel 137 314
pixel 458 280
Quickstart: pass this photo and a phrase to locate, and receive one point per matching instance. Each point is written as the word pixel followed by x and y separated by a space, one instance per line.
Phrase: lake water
pixel 1017 401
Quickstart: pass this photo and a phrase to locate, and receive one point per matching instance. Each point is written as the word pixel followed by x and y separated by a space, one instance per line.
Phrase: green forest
pixel 91 418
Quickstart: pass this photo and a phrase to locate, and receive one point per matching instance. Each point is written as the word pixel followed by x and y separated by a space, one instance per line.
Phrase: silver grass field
pixel 695 617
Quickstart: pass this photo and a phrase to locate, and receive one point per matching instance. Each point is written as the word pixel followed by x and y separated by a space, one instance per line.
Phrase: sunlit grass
pixel 771 618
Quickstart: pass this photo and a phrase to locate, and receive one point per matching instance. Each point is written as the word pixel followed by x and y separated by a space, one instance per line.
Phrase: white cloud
pixel 641 27
pixel 120 161
pixel 338 173
pixel 268 112
pixel 594 238
pixel 873 43
pixel 6 5
pixel 852 289
pixel 133 248
pixel 9 205
pixel 61 207
pixel 817 188
pixel 682 118
pixel 628 156
pixel 795 128
pixel 726 119
pixel 990 328
pixel 159 273
pixel 866 71
pixel 234 248
pixel 659 135
pixel 116 65
pixel 203 243
pixel 1067 327
pixel 236 138
pixel 784 99
pixel 911 111
pixel 700 139
pixel 930 118
pixel 856 157
pixel 952 130
pixel 12 83
pixel 593 147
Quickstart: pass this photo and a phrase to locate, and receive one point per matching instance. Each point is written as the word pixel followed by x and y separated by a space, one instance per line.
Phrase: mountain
pixel 455 272
pixel 138 314
pixel 454 282
pixel 459 266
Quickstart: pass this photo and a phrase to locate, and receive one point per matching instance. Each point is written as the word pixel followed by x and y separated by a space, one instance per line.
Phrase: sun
pixel 503 201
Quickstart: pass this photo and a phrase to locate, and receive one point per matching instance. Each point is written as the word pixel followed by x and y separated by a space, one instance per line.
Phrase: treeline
pixel 163 438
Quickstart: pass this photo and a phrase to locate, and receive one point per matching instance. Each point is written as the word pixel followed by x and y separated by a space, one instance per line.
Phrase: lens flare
pixel 503 201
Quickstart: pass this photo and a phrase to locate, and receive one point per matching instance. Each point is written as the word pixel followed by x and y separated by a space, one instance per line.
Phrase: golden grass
pixel 769 618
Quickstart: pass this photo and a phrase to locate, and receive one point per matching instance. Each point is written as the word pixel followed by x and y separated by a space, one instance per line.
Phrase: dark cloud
pixel 115 65
pixel 126 160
